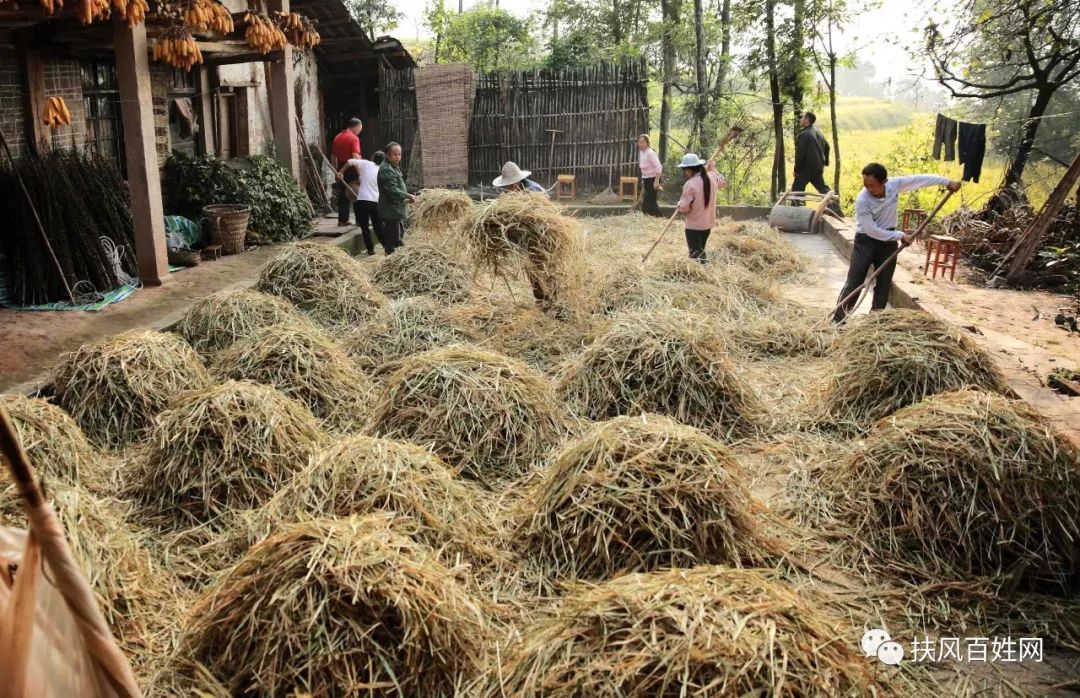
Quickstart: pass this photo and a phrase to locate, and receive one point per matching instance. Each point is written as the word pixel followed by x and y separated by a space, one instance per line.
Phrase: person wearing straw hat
pixel 698 202
pixel 513 178
pixel 876 236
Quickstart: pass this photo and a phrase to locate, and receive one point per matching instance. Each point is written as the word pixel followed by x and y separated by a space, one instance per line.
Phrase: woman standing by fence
pixel 651 169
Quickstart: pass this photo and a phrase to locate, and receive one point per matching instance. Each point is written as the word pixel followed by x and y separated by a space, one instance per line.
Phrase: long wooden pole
pixel 716 153
pixel 861 290
pixel 37 219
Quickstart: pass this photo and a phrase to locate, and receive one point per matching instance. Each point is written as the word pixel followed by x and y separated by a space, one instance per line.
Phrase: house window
pixel 182 110
pixel 104 123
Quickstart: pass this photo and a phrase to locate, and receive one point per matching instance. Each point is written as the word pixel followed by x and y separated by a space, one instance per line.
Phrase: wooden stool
pixel 628 194
pixel 945 251
pixel 211 252
pixel 566 187
pixel 912 219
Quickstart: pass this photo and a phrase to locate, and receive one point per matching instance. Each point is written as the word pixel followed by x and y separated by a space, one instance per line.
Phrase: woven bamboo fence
pixel 599 109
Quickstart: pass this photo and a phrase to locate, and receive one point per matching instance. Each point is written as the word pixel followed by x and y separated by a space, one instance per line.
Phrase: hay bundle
pixel 56 445
pixel 404 327
pixel 667 362
pixel 304 364
pixel 785 331
pixel 215 322
pixel 676 283
pixel 422 270
pixel 760 249
pixel 637 494
pixel 228 447
pixel 967 484
pixel 337 606
pixel 525 333
pixel 323 281
pixel 440 210
pixel 682 269
pixel 114 387
pixel 361 475
pixel 528 230
pixel 487 414
pixel 895 358
pixel 707 631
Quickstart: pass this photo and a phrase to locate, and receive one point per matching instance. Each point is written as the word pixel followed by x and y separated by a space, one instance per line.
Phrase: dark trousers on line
pixel 695 241
pixel 648 198
pixel 391 234
pixel 367 212
pixel 343 200
pixel 866 253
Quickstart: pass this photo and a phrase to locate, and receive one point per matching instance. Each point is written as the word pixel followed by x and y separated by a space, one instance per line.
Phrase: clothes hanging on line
pixel 945 134
pixel 971 147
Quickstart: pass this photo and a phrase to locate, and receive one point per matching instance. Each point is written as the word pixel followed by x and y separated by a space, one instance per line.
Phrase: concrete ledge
pixel 738 213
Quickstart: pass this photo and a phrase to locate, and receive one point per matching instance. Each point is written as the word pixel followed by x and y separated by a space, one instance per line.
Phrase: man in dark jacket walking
pixel 393 198
pixel 811 156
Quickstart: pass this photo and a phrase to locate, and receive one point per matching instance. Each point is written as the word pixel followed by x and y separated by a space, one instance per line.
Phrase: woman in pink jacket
pixel 698 202
pixel 651 169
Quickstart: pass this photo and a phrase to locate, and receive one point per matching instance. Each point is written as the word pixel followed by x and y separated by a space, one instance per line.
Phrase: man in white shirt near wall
pixel 876 236
pixel 366 205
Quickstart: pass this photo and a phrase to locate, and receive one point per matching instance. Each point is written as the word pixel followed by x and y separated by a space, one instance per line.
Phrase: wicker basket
pixel 184 258
pixel 228 226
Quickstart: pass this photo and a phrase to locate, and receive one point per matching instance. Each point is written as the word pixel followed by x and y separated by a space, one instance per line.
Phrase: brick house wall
pixel 12 101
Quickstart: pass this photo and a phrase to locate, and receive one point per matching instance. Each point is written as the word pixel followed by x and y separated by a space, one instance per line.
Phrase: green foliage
pixel 374 16
pixel 573 51
pixel 488 39
pixel 279 210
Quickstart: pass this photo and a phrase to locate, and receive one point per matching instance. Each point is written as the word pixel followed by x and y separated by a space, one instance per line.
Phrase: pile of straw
pixel 707 631
pixel 529 231
pixel 895 358
pixel 404 327
pixel 525 333
pixel 728 291
pixel 422 270
pixel 114 387
pixel 487 414
pixel 785 331
pixel 636 494
pixel 967 484
pixel 55 444
pixel 337 607
pixel 666 362
pixel 307 366
pixel 213 323
pixel 758 248
pixel 439 210
pixel 323 281
pixel 361 475
pixel 228 447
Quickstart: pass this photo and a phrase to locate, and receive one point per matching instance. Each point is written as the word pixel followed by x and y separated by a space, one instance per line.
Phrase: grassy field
pixel 901 139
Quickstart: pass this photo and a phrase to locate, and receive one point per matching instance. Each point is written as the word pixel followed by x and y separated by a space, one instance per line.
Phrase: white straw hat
pixel 511 174
pixel 691 160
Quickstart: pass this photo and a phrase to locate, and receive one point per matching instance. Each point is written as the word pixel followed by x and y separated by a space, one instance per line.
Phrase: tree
pixel 834 14
pixel 795 76
pixel 701 108
pixel 375 17
pixel 569 51
pixel 1000 48
pixel 436 18
pixel 670 10
pixel 779 174
pixel 487 39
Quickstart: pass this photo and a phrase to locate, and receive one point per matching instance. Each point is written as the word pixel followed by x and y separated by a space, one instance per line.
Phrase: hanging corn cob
pixel 51 6
pixel 56 113
pixel 131 11
pixel 177 47
pixel 299 30
pixel 208 15
pixel 262 33
pixel 93 10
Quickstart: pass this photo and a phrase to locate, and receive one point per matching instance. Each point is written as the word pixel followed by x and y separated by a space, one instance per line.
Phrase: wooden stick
pixel 37 219
pixel 735 131
pixel 861 291
pixel 111 664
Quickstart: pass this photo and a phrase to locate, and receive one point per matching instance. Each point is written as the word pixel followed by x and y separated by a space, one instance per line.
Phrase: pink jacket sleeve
pixel 687 198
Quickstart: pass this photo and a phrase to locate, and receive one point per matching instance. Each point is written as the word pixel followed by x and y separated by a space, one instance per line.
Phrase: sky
pixel 877 36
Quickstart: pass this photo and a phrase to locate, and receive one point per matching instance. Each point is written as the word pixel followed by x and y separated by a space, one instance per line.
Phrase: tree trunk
pixel 835 121
pixel 670 13
pixel 701 109
pixel 725 45
pixel 1015 173
pixel 1032 237
pixel 779 178
pixel 798 62
pixel 460 6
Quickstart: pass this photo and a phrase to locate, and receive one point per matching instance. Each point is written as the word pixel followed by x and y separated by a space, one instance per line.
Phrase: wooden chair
pixel 565 187
pixel 628 188
pixel 945 251
pixel 912 219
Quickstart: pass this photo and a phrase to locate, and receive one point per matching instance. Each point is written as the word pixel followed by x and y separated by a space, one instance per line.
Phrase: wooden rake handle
pixel 892 258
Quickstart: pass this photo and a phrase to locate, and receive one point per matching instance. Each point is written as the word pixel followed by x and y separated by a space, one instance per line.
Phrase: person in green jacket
pixel 393 198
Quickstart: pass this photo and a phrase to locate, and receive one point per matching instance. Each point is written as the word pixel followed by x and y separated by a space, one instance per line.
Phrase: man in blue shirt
pixel 876 236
